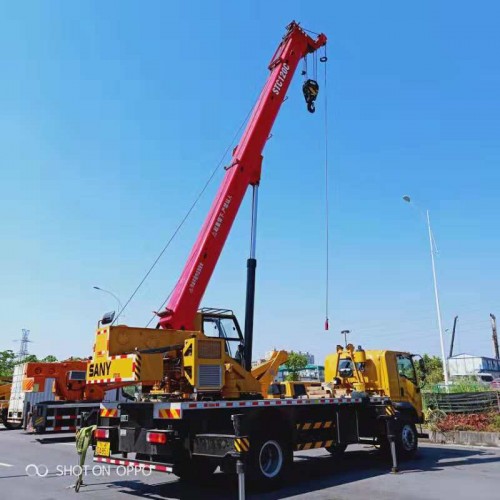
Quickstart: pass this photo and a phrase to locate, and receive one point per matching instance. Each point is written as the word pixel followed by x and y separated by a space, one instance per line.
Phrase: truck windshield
pixel 406 368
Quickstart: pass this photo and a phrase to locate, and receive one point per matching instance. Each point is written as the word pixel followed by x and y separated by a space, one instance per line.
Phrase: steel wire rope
pixel 327 205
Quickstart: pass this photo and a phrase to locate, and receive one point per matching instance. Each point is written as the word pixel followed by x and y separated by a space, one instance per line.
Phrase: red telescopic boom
pixel 243 171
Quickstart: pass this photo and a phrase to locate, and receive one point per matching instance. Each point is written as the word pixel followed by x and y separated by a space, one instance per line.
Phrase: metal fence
pixel 463 402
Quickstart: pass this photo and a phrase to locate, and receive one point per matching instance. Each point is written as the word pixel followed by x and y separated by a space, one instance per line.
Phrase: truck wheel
pixel 406 440
pixel 337 450
pixel 269 461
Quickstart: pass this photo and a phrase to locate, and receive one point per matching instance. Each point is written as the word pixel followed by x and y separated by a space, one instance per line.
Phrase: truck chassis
pixel 62 416
pixel 190 439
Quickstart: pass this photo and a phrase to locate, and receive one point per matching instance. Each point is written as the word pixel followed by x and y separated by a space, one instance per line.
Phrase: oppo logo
pixel 281 78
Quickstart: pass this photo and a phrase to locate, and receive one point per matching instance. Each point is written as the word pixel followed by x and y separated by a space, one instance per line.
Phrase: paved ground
pixel 438 473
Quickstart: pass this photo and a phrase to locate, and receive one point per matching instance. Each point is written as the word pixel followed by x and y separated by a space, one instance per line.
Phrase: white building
pixel 462 365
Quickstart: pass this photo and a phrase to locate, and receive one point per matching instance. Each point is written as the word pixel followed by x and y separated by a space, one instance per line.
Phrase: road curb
pixel 466 438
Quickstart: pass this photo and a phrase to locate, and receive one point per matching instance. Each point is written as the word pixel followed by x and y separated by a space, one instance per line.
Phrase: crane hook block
pixel 310 90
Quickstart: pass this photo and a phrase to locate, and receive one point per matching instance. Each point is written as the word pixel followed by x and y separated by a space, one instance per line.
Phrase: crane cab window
pixel 406 368
pixel 346 368
pixel 224 327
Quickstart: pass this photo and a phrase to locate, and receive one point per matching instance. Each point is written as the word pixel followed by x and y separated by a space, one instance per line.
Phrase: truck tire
pixel 270 459
pixel 336 450
pixel 406 440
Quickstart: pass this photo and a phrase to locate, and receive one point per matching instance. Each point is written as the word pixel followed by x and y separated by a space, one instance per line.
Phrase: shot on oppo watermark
pixel 42 470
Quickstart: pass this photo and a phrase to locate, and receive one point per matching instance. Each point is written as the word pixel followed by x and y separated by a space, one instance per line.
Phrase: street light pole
pixel 120 307
pixel 436 293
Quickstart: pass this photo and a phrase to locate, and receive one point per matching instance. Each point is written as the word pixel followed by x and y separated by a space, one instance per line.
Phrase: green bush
pixel 467 384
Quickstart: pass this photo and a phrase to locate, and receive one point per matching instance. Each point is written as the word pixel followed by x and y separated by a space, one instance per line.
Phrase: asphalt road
pixel 439 472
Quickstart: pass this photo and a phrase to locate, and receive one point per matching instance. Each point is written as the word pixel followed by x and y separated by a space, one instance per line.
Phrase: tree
pixel 434 369
pixel 7 362
pixel 30 358
pixel 49 359
pixel 294 364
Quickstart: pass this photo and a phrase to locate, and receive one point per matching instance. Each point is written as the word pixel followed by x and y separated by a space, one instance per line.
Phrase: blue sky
pixel 114 114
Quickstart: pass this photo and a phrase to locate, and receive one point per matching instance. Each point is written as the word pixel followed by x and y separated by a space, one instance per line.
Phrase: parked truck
pixel 53 397
pixel 202 404
pixel 5 389
pixel 14 415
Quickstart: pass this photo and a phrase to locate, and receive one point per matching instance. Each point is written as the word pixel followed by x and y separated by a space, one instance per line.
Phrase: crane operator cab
pixel 222 324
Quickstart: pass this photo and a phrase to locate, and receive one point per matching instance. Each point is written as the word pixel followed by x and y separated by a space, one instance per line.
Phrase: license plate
pixel 102 448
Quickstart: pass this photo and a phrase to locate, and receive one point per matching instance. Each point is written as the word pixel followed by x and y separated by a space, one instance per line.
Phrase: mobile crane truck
pixel 53 397
pixel 202 405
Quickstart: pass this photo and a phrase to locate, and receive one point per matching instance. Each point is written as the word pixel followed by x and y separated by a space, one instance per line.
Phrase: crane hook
pixel 310 90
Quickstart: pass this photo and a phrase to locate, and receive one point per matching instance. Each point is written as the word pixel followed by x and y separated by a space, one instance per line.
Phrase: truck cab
pixel 377 372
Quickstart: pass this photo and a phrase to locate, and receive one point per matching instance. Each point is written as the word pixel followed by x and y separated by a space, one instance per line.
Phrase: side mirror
pixel 422 366
pixel 423 371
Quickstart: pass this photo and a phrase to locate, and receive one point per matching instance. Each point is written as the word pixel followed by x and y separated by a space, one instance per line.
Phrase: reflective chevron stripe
pixel 109 412
pixel 241 444
pixel 306 426
pixel 167 413
pixel 314 444
pixel 136 366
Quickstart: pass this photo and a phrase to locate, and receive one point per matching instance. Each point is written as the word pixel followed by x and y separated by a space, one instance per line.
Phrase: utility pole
pixel 453 336
pixel 494 335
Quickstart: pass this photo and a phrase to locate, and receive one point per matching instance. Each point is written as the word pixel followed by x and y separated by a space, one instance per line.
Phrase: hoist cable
pixel 327 204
